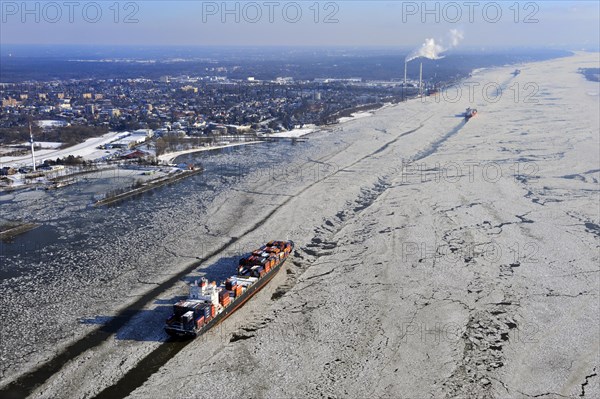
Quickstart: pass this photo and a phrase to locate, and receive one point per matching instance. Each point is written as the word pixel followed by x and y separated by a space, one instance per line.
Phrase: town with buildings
pixel 89 122
pixel 190 105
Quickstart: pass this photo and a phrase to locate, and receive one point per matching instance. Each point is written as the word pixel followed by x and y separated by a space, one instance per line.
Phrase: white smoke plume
pixel 456 37
pixel 432 49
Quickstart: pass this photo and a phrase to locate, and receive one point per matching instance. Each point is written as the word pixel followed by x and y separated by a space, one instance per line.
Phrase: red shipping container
pixel 238 290
pixel 224 297
pixel 200 322
pixel 212 310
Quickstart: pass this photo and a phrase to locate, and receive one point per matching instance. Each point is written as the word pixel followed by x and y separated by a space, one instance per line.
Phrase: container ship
pixel 469 113
pixel 209 303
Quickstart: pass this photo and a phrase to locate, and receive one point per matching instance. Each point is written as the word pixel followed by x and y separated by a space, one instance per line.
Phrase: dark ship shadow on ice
pixel 147 324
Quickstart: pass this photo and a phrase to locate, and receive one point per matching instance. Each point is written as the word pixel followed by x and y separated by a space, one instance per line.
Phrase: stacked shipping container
pixel 207 300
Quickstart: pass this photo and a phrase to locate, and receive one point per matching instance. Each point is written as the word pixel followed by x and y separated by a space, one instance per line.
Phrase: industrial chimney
pixel 32 149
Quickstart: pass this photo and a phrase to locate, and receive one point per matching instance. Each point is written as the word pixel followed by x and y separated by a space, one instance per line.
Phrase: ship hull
pixel 227 311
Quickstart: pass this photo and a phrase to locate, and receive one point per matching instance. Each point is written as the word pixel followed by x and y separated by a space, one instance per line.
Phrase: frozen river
pixel 435 258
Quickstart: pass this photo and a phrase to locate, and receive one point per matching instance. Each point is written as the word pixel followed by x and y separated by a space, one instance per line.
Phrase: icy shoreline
pixel 171 156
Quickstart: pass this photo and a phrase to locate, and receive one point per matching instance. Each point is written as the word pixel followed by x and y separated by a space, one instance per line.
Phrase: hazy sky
pixel 361 23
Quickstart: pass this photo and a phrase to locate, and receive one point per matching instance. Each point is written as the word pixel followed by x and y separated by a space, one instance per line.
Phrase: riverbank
pixel 170 157
pixel 291 134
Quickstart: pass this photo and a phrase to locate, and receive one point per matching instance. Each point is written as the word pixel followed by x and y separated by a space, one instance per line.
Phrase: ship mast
pixel 32 149
pixel 404 85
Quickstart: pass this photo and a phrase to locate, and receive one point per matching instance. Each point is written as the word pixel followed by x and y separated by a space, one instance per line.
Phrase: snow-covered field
pixel 171 156
pixel 435 258
pixel 355 115
pixel 295 133
pixel 87 150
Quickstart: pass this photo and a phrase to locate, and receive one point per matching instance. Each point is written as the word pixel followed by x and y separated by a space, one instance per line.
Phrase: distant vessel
pixel 516 72
pixel 432 91
pixel 470 112
pixel 61 184
pixel 209 304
